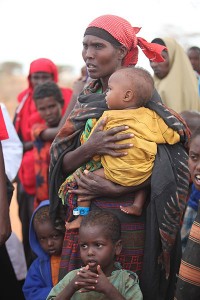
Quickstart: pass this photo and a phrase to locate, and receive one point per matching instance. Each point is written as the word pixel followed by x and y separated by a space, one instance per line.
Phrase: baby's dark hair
pixel 143 84
pixel 42 216
pixel 48 89
pixel 109 221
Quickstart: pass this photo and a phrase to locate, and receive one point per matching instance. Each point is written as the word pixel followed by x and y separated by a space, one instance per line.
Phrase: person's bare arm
pixel 5 225
pixel 27 146
pixel 91 186
pixel 100 143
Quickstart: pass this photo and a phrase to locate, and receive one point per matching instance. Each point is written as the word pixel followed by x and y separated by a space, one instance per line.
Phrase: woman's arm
pixel 91 186
pixel 100 143
pixel 5 225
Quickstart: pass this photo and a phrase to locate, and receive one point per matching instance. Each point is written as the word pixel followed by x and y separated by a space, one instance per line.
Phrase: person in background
pixel 174 78
pixel 5 223
pixel 129 89
pixel 100 277
pixel 151 242
pixel 49 103
pixel 7 271
pixel 188 283
pixel 46 243
pixel 194 56
pixel 192 118
pixel 26 115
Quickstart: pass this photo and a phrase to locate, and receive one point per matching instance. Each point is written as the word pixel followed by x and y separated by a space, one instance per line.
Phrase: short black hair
pixel 48 89
pixel 158 41
pixel 106 219
pixel 194 134
pixel 195 48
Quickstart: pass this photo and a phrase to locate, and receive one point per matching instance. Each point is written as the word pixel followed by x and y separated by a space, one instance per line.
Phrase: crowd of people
pixel 108 184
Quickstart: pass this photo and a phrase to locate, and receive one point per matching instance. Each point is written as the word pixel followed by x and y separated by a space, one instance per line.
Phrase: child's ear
pixel 118 247
pixel 128 95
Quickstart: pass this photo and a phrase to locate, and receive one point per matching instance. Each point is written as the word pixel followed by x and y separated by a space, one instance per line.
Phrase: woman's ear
pixel 118 247
pixel 123 52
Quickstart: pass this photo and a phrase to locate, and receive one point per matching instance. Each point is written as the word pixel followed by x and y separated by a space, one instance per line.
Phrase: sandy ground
pixel 15 222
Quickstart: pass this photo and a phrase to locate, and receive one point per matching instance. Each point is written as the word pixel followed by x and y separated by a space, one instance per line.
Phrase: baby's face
pixel 116 92
pixel 194 161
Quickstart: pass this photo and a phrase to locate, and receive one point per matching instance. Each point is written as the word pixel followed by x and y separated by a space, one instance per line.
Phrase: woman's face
pixel 101 58
pixel 40 77
pixel 161 69
pixel 194 161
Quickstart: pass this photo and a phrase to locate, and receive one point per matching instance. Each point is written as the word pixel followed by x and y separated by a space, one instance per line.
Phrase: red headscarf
pixel 124 33
pixel 43 65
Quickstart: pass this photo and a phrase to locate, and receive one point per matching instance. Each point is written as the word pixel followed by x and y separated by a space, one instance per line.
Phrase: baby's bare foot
pixel 131 210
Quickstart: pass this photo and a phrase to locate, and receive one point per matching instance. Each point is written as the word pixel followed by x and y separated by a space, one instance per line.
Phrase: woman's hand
pixel 99 143
pixel 105 142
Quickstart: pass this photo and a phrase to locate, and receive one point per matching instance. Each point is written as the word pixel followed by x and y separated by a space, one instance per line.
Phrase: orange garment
pixel 55 264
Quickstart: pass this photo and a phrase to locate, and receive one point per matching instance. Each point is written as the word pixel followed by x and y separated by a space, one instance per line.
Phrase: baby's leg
pixel 137 206
pixel 84 204
pixel 80 211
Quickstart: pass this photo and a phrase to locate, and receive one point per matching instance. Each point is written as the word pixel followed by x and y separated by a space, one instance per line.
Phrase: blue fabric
pixel 38 282
pixel 194 198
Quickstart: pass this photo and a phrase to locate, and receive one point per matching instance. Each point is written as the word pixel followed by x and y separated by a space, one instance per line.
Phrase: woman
pixel 109 43
pixel 174 78
pixel 41 70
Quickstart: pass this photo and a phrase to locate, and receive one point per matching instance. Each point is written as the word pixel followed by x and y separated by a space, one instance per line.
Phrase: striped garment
pixel 188 284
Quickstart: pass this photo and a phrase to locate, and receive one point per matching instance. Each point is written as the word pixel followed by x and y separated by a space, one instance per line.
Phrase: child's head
pixel 129 88
pixel 192 118
pixel 194 158
pixel 50 238
pixel 100 240
pixel 49 102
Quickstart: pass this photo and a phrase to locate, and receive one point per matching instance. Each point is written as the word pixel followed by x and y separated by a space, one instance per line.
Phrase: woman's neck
pixel 104 83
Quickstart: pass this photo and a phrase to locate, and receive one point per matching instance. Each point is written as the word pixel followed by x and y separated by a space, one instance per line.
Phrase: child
pixel 129 91
pixel 101 277
pixel 49 102
pixel 46 242
pixel 188 283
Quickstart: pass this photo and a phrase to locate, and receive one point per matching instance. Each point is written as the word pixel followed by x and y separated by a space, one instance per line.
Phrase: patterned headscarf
pixel 125 34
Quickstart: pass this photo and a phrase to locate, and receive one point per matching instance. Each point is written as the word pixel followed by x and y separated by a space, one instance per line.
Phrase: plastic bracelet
pixel 76 212
pixel 83 211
